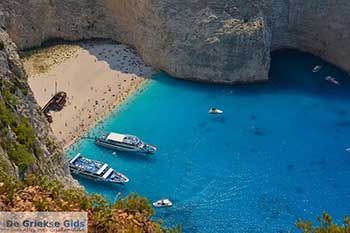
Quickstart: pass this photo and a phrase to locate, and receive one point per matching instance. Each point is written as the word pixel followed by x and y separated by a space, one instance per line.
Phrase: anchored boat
pixel 95 170
pixel 332 80
pixel 125 142
pixel 316 69
pixel 215 111
pixel 162 203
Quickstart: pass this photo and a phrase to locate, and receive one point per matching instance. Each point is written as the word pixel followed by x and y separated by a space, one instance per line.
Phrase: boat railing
pixel 75 158
pixel 109 171
pixel 102 169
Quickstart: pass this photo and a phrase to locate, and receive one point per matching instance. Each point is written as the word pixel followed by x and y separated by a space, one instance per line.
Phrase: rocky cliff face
pixel 225 41
pixel 321 27
pixel 26 143
pixel 209 40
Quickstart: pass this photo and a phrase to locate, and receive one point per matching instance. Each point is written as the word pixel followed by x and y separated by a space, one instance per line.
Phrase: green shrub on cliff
pixel 8 97
pixel 25 133
pixel 17 137
pixel 134 203
pixel 128 215
pixel 6 117
pixel 19 154
pixel 21 145
pixel 326 225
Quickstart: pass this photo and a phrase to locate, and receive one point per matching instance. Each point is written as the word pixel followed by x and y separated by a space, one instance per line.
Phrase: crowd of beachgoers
pixel 97 76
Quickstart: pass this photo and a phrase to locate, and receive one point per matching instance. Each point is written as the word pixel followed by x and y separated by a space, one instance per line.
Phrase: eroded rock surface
pixel 225 41
pixel 27 144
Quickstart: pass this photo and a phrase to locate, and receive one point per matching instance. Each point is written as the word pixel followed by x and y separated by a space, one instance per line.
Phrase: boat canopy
pixel 109 171
pixel 75 158
pixel 116 137
pixel 102 169
pixel 129 139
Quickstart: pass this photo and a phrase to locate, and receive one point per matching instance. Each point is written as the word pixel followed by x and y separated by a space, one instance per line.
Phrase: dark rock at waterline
pixel 290 167
pixel 343 123
pixel 299 190
pixel 257 131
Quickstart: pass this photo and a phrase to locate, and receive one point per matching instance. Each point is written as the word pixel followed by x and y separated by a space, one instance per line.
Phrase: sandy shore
pixel 96 77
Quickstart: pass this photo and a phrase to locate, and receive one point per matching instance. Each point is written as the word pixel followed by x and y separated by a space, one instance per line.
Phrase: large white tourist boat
pixel 95 170
pixel 124 142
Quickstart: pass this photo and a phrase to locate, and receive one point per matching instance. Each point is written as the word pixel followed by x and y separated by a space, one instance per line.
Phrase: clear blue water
pixel 276 155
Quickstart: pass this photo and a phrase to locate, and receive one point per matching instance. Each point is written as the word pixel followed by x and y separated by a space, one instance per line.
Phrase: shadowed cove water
pixel 276 154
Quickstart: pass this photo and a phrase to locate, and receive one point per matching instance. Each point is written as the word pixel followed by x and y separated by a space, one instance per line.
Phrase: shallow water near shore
pixel 277 153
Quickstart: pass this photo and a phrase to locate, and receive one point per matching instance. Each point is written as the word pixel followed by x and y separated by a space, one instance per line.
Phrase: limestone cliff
pixel 321 27
pixel 219 41
pixel 210 40
pixel 26 143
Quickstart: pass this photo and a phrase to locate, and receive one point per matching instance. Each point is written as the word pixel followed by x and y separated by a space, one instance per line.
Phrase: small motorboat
pixel 332 80
pixel 316 69
pixel 215 111
pixel 347 149
pixel 162 203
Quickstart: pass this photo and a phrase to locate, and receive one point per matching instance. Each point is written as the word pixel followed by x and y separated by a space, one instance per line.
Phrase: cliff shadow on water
pixel 291 71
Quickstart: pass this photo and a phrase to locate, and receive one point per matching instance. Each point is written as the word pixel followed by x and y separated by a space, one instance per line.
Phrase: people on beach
pixel 91 96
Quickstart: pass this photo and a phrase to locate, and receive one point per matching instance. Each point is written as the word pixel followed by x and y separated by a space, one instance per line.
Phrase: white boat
pixel 215 111
pixel 125 142
pixel 347 149
pixel 316 69
pixel 162 203
pixel 95 170
pixel 332 80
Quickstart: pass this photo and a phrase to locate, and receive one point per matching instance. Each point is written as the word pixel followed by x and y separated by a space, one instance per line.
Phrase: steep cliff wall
pixel 204 40
pixel 26 142
pixel 225 41
pixel 321 27
pixel 210 40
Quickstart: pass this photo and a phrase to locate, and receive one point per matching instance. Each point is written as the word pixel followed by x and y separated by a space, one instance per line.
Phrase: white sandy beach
pixel 95 76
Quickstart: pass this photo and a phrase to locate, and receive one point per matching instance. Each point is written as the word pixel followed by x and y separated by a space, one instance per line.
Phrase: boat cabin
pixel 90 166
pixel 122 138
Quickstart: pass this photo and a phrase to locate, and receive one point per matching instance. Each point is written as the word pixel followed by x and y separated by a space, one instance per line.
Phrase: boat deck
pixel 89 165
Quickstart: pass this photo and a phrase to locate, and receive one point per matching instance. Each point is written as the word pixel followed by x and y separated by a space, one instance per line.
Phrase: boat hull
pixel 120 148
pixel 93 178
pixel 166 204
pixel 215 111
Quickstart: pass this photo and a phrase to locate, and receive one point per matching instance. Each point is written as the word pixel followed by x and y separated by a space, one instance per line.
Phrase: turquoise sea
pixel 277 153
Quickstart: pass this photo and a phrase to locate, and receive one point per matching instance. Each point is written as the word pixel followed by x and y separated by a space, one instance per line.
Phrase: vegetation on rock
pixel 19 146
pixel 45 58
pixel 326 225
pixel 128 215
pixel 17 136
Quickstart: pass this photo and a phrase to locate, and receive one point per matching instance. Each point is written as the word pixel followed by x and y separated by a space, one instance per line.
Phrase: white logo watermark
pixel 48 222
